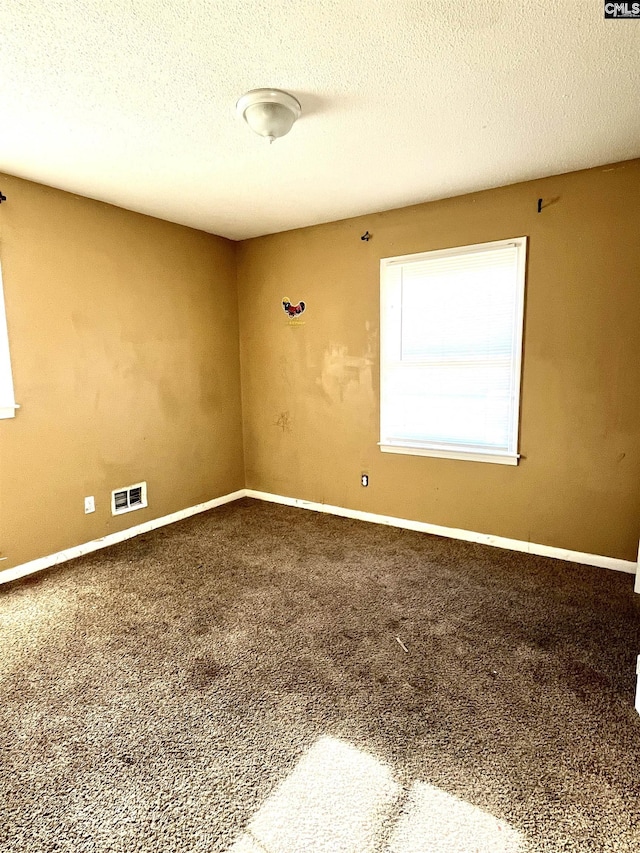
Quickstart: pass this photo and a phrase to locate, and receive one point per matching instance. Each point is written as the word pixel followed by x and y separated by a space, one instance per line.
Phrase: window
pixel 7 400
pixel 451 345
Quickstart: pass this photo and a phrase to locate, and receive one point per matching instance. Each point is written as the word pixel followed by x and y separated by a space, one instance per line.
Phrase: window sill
pixel 469 456
pixel 8 411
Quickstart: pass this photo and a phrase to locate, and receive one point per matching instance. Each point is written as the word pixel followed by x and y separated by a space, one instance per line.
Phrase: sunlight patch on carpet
pixel 338 799
pixel 433 820
pixel 334 801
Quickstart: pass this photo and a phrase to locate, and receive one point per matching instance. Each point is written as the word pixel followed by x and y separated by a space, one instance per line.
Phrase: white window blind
pixel 7 400
pixel 451 324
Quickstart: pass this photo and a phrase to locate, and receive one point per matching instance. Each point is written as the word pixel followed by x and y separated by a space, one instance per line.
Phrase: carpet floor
pixel 261 679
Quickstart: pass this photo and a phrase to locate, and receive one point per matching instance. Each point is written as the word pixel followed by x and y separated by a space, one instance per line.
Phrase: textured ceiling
pixel 133 101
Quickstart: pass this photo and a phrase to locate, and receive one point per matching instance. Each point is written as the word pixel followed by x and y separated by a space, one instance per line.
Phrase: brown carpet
pixel 234 682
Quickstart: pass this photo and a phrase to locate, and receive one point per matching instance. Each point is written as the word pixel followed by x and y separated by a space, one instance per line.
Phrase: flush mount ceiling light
pixel 269 112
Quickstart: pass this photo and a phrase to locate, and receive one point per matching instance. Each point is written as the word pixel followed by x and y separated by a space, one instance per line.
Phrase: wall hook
pixel 539 205
pixel 366 237
pixel 2 197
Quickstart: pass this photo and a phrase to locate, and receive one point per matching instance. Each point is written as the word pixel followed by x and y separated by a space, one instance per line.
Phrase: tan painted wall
pixel 310 392
pixel 124 342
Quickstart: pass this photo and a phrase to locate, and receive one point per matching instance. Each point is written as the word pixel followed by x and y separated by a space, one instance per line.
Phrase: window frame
pixel 389 281
pixel 7 398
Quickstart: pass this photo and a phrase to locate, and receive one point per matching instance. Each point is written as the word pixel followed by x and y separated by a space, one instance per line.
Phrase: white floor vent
pixel 129 498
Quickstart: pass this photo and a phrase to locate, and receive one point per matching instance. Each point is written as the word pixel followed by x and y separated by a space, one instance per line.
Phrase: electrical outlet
pixel 364 479
pixel 89 504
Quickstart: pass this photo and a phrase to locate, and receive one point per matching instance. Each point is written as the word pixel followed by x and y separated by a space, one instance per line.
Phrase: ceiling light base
pixel 270 113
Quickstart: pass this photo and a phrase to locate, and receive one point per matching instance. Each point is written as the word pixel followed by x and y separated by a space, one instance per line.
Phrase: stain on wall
pixel 578 483
pixel 124 344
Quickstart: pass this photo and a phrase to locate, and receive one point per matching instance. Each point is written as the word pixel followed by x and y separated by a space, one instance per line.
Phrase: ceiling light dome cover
pixel 269 112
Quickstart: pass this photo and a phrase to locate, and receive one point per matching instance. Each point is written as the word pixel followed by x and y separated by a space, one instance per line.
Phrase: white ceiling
pixel 133 101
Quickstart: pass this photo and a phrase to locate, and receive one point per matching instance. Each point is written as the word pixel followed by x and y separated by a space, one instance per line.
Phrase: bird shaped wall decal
pixel 293 310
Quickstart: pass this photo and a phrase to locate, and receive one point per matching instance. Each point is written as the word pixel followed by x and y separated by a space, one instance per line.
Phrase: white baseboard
pixel 420 526
pixel 113 538
pixel 456 533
